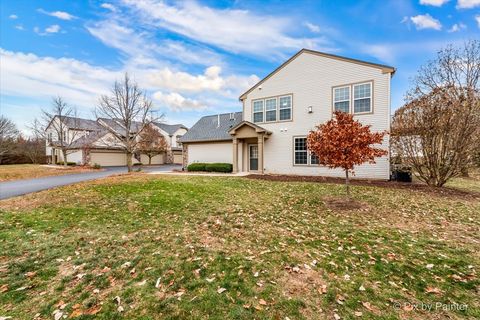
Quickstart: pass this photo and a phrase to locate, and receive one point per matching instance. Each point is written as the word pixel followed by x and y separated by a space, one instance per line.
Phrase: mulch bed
pixel 442 192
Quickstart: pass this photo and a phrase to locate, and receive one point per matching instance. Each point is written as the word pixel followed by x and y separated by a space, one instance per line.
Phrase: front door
pixel 253 157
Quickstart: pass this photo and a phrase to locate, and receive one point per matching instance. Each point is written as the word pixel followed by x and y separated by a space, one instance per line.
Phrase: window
pixel 303 156
pixel 179 144
pixel 300 151
pixel 341 99
pixel 271 110
pixel 285 108
pixel 258 111
pixel 362 98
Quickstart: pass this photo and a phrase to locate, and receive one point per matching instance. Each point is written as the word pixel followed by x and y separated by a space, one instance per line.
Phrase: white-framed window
pixel 270 109
pixel 362 97
pixel 355 98
pixel 301 154
pixel 341 99
pixel 285 108
pixel 258 111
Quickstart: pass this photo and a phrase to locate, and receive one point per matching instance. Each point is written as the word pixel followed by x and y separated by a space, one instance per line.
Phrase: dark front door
pixel 253 156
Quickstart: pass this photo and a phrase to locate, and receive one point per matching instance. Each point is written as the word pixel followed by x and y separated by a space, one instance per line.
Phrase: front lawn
pixel 30 171
pixel 181 247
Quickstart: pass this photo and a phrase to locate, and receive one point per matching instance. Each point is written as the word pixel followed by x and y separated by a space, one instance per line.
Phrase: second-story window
pixel 258 111
pixel 341 99
pixel 362 98
pixel 271 109
pixel 285 112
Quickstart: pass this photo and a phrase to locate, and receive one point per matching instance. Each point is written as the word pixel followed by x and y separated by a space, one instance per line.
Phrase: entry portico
pixel 250 138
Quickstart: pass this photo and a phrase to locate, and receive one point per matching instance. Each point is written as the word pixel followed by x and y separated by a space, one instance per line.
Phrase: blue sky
pixel 196 57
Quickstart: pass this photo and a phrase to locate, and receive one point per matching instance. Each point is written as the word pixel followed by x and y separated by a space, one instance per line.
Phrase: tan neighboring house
pixel 92 142
pixel 269 135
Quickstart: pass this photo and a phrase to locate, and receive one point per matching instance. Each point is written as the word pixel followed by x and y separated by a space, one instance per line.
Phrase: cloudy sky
pixel 196 57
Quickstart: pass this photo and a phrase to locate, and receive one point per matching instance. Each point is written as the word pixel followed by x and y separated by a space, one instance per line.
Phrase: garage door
pixel 177 158
pixel 158 159
pixel 106 159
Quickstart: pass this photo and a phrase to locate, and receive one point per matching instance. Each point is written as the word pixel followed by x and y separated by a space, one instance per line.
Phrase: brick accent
pixel 184 156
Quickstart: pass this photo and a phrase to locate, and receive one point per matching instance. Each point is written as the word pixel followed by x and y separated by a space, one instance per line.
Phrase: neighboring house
pixel 269 135
pixel 172 133
pixel 93 142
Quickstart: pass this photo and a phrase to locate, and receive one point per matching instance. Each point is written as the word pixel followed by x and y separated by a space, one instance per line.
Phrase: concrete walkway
pixel 15 188
pixel 206 174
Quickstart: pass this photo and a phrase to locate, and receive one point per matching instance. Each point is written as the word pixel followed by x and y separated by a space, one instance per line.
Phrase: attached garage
pixel 158 159
pixel 177 157
pixel 108 159
pixel 210 152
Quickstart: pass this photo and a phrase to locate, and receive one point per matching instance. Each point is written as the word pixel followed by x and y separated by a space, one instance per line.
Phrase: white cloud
pixel 435 3
pixel 58 14
pixel 31 76
pixel 19 27
pixel 186 82
pixel 13 16
pixel 477 18
pixel 426 21
pixel 382 52
pixel 108 6
pixel 312 27
pixel 468 4
pixel 457 27
pixel 53 28
pixel 237 31
pixel 142 50
pixel 176 102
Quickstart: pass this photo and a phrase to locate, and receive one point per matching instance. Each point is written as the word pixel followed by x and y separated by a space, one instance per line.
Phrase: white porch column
pixel 235 155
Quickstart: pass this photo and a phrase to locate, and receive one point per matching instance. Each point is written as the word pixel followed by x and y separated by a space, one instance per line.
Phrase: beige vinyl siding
pixel 210 152
pixel 310 79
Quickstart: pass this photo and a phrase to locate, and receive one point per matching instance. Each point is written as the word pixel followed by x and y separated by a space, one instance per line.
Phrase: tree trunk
pixel 347 183
pixel 149 160
pixel 64 152
pixel 129 161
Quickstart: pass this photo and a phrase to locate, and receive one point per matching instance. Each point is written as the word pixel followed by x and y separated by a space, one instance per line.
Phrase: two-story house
pixel 88 142
pixel 269 135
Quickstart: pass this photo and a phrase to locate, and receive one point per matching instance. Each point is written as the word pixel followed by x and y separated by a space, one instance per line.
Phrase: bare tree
pixel 128 106
pixel 151 143
pixel 58 126
pixel 8 134
pixel 437 131
pixel 32 148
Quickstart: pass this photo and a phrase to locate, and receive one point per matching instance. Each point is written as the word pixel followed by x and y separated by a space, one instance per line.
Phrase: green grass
pixel 272 246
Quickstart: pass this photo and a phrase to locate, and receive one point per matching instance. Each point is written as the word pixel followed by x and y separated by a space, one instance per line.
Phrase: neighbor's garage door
pixel 177 157
pixel 106 159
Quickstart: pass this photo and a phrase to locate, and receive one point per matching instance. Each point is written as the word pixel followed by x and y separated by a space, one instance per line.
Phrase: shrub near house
pixel 211 167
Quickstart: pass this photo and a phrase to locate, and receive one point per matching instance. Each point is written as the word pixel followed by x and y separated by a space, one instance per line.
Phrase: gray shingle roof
pixel 169 128
pixel 88 139
pixel 82 124
pixel 209 128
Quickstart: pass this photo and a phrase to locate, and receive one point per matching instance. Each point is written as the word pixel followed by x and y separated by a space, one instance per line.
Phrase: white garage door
pixel 210 152
pixel 107 159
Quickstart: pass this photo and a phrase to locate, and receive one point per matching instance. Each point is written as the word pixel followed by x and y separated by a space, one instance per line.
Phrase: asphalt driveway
pixel 15 188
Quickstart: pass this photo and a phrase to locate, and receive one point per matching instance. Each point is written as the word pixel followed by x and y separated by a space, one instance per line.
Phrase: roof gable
pixel 383 68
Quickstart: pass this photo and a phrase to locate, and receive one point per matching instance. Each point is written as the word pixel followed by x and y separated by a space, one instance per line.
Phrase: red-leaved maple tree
pixel 343 142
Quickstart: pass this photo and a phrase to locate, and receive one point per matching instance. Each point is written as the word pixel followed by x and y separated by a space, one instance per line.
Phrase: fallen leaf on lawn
pixel 429 266
pixel 142 283
pixel 117 299
pixel 4 288
pixel 367 305
pixel 157 284
pixel 246 306
pixel 210 280
pixel 93 310
pixel 262 302
pixel 220 290
pixel 30 274
pixel 57 314
pixel 407 307
pixel 362 288
pixel 336 316
pixel 120 309
pixel 358 313
pixel 132 271
pixel 433 290
pixel 322 289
